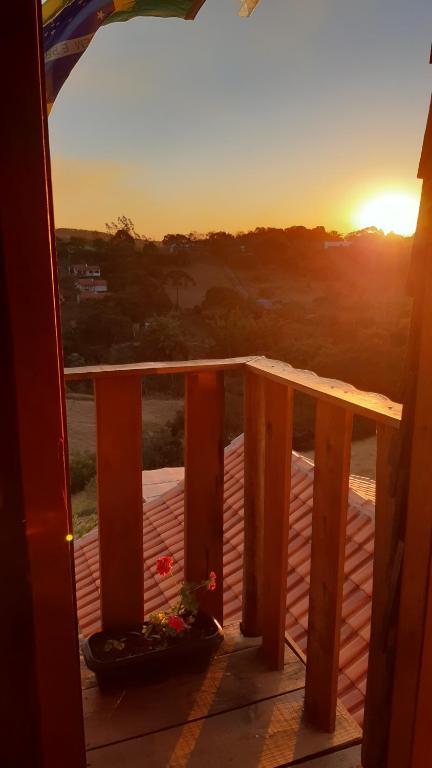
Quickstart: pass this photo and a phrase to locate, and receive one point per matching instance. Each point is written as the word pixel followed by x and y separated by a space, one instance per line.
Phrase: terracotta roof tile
pixel 163 533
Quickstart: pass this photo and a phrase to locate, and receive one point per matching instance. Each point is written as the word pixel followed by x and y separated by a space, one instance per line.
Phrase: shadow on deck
pixel 236 713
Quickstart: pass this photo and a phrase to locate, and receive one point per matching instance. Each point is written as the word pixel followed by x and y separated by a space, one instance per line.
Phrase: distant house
pixel 84 270
pixel 337 244
pixel 90 297
pixel 91 288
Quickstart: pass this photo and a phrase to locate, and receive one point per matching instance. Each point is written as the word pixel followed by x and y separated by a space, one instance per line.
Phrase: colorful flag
pixel 70 25
pixel 247 7
pixel 51 7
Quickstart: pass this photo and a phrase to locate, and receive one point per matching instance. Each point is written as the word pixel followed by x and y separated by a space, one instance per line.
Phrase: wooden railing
pixel 269 389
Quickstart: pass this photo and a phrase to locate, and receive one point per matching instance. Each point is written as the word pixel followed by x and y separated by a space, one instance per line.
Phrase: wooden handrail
pixel 368 404
pixel 269 387
pixel 146 369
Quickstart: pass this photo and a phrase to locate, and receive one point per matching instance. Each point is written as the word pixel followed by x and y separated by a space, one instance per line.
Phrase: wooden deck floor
pixel 237 713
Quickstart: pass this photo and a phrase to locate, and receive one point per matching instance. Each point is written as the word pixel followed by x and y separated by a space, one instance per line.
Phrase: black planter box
pixel 185 653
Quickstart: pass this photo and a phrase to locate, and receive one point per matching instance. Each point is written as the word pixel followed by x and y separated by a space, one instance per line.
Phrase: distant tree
pixel 150 248
pixel 142 299
pixel 366 233
pixel 101 325
pixel 67 287
pixel 122 234
pixel 124 225
pixel 221 298
pixel 176 242
pixel 163 338
pixel 178 279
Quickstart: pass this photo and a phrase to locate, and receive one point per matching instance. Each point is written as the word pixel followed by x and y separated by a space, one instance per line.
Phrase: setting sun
pixel 391 211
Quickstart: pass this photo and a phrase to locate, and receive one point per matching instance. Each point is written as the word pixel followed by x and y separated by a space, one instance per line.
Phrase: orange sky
pixel 294 116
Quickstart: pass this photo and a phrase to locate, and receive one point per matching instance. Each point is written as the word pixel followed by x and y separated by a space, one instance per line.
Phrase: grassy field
pixel 82 422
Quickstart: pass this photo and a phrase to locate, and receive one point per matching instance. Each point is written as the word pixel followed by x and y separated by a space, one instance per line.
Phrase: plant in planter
pixel 166 638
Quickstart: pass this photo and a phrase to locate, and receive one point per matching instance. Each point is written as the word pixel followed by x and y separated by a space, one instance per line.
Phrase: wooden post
pixel 38 569
pixel 254 455
pixel 277 485
pixel 333 430
pixel 377 712
pixel 204 481
pixel 414 500
pixel 416 563
pixel 119 488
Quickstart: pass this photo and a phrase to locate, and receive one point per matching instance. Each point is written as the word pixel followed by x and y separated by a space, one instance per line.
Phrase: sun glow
pixel 391 211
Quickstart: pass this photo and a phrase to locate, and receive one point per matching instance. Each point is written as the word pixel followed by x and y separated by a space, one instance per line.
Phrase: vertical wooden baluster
pixel 119 490
pixel 333 431
pixel 204 482
pixel 277 484
pixel 379 680
pixel 254 454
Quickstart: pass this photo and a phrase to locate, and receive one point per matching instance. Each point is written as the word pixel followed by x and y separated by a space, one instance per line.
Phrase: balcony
pixel 269 702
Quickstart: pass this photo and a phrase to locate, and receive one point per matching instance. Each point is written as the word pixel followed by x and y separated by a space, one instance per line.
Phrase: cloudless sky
pixel 293 116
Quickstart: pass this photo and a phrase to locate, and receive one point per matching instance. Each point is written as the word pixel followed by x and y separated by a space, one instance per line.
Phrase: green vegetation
pixel 82 468
pixel 340 311
pixel 84 516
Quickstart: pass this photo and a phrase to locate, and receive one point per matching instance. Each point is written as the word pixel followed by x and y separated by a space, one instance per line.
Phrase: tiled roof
pixel 163 534
pixel 155 482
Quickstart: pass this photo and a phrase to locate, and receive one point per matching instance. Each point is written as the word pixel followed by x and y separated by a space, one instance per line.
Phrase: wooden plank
pixel 343 758
pixel 231 681
pixel 277 484
pixel 369 404
pixel 204 483
pixel 41 625
pixel 119 501
pixel 380 677
pixel 254 456
pixel 234 640
pixel 417 546
pixel 333 429
pixel 413 497
pixel 266 734
pixel 142 369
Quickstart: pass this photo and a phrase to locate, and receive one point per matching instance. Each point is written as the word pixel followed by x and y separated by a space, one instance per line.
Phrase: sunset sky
pixel 298 115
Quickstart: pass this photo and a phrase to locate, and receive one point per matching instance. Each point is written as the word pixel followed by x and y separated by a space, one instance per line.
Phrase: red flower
pixel 177 623
pixel 164 565
pixel 212 584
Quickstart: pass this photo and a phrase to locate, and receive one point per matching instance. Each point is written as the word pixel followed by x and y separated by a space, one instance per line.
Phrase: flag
pixel 247 7
pixel 70 25
pixel 51 7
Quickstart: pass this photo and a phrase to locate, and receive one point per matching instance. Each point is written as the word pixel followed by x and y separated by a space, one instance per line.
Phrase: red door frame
pixel 36 501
